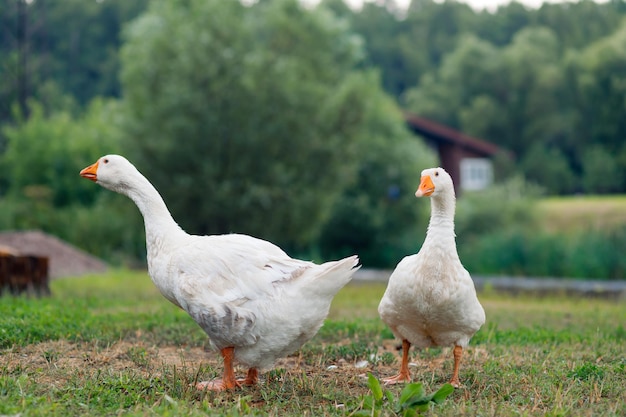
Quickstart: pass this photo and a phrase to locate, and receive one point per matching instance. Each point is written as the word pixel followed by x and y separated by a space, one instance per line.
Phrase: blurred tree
pixel 500 27
pixel 378 215
pixel 515 96
pixel 431 30
pixel 532 64
pixel 40 187
pixel 601 173
pixel 472 68
pixel 44 154
pixel 549 168
pixel 601 86
pixel 580 23
pixel 246 118
pixel 69 46
pixel 379 25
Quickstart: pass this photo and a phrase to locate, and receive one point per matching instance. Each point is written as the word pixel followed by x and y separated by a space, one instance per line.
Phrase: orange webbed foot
pixel 251 379
pixel 455 382
pixel 216 385
pixel 404 375
pixel 398 379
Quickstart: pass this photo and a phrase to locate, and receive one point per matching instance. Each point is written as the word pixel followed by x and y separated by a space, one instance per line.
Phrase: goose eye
pixel 106 161
pixel 436 173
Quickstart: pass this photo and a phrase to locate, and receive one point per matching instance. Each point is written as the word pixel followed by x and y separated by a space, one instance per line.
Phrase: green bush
pixel 496 208
pixel 589 255
pixel 499 233
pixel 597 255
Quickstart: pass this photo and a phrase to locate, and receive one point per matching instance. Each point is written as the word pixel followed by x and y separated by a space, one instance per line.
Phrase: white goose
pixel 430 298
pixel 255 303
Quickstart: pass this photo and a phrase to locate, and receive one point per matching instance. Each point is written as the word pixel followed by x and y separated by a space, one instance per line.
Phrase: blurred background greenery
pixel 285 122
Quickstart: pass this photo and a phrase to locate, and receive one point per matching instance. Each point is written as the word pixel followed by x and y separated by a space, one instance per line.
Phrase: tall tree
pixel 50 48
pixel 246 117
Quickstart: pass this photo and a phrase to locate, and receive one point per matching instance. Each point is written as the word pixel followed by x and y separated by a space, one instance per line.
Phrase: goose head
pixel 434 182
pixel 113 172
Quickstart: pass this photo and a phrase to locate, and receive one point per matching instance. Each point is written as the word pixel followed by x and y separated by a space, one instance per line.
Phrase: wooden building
pixel 468 160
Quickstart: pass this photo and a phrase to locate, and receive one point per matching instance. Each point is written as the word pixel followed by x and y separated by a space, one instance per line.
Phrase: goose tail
pixel 328 278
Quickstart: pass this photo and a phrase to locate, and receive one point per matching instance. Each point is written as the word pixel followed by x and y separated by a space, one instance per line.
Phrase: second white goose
pixel 430 298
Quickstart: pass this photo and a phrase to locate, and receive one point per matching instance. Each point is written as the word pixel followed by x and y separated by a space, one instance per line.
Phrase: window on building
pixel 476 173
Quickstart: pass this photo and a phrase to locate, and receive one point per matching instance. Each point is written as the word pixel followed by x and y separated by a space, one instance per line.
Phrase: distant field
pixel 111 345
pixel 580 213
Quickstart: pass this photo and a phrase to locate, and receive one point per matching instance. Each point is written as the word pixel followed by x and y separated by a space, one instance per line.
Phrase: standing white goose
pixel 430 298
pixel 255 303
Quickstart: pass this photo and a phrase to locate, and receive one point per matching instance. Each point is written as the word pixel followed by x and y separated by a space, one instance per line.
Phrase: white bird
pixel 430 298
pixel 255 303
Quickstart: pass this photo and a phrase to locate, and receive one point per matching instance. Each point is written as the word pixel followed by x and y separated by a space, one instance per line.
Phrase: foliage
pixel 69 47
pixel 517 251
pixel 268 118
pixel 42 189
pixel 531 98
pixel 549 167
pixel 511 203
pixel 548 80
pixel 601 172
pixel 44 154
pixel 268 106
pixel 377 216
pixel 411 402
pixel 504 230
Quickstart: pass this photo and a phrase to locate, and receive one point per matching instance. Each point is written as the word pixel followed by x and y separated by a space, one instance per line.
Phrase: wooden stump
pixel 24 273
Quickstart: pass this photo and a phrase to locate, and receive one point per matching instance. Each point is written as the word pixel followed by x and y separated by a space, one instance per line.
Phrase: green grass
pixel 111 345
pixel 573 214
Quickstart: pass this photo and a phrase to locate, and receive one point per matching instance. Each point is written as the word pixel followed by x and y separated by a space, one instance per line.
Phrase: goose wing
pixel 221 281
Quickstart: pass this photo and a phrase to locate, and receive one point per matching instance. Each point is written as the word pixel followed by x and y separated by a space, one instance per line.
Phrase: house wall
pixel 450 156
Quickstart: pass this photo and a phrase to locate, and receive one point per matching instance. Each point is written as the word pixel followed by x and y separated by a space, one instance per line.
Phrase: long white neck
pixel 158 221
pixel 441 225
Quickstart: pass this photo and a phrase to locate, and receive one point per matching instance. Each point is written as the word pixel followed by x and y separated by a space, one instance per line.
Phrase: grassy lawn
pixel 581 213
pixel 111 345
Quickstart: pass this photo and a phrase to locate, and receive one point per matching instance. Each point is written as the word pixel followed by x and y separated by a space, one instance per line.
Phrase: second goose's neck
pixel 441 226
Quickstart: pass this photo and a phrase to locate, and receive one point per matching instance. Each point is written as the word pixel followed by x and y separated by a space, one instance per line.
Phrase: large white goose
pixel 430 298
pixel 255 303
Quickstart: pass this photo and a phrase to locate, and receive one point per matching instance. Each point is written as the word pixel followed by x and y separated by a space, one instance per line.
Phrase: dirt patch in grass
pixel 55 362
pixel 59 360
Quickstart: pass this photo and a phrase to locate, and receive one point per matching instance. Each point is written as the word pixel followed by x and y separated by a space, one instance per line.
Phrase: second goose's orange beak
pixel 90 172
pixel 426 187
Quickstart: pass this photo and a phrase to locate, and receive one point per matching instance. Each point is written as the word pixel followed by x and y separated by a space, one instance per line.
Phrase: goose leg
pixel 404 375
pixel 228 381
pixel 458 353
pixel 251 379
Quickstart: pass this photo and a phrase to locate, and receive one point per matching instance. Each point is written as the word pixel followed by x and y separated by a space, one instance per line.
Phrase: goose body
pixel 430 299
pixel 254 302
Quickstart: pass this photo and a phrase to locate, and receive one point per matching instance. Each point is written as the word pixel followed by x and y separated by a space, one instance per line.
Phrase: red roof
pixel 438 132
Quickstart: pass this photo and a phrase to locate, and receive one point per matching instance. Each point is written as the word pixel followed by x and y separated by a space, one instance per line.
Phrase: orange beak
pixel 426 187
pixel 90 172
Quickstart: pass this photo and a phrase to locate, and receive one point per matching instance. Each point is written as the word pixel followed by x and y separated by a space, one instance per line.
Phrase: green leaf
pixel 409 412
pixel 368 402
pixel 375 387
pixel 420 403
pixel 390 398
pixel 411 393
pixel 443 392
